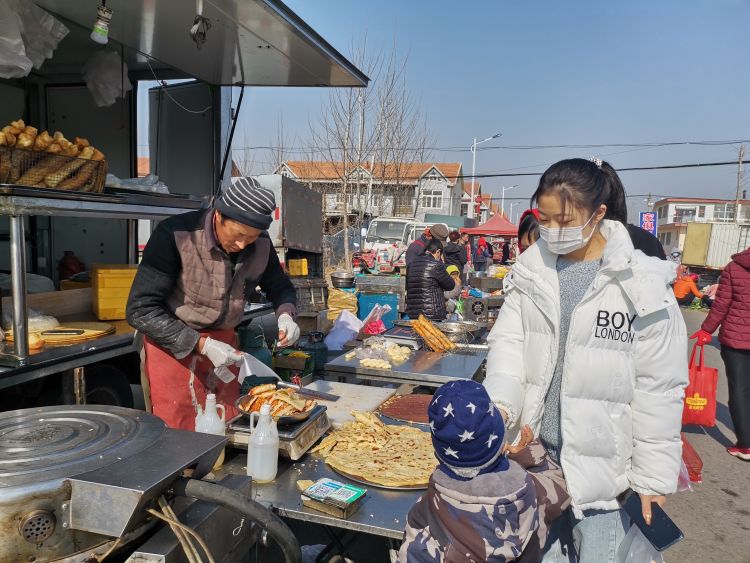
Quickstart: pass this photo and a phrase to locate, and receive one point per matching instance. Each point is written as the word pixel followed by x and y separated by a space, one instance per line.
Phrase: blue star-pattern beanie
pixel 467 430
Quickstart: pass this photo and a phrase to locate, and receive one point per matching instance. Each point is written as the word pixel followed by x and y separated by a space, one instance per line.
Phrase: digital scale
pixel 294 439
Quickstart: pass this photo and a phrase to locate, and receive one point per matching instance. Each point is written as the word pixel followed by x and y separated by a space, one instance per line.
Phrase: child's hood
pixel 500 507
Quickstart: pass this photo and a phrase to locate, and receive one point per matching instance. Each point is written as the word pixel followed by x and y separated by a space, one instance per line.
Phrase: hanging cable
pixel 162 86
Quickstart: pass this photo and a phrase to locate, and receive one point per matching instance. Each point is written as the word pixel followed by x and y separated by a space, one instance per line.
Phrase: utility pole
pixel 740 174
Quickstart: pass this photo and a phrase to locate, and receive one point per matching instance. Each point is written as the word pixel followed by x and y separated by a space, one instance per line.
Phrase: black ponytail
pixel 584 184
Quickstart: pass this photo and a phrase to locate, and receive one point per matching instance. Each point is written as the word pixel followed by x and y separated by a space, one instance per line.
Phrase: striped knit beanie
pixel 247 202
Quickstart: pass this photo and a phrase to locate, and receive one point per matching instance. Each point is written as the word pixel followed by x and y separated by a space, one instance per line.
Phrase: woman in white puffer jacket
pixel 590 351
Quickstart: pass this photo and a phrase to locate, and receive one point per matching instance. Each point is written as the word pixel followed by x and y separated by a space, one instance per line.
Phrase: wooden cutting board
pixel 352 398
pixel 90 331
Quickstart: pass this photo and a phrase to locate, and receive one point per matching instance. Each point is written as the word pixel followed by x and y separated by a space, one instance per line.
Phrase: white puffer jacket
pixel 624 375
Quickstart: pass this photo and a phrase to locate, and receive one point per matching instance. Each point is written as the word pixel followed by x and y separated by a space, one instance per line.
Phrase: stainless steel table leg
pixel 79 385
pixel 18 286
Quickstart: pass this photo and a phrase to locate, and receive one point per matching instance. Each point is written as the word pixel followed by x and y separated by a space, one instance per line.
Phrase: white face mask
pixel 564 240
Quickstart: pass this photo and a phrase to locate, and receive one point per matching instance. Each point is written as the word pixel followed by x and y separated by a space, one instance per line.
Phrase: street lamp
pixel 502 205
pixel 470 214
pixel 510 215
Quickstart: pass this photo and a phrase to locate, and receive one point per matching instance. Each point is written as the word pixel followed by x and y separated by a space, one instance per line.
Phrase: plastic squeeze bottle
pixel 263 447
pixel 208 421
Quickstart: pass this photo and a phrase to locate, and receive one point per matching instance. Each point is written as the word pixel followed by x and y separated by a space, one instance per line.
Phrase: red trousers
pixel 178 385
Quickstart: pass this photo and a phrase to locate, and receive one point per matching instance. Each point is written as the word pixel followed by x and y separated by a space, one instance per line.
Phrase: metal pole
pixel 132 255
pixel 79 385
pixel 18 286
pixel 470 214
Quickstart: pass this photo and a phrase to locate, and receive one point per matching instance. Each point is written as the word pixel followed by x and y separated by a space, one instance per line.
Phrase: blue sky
pixel 551 72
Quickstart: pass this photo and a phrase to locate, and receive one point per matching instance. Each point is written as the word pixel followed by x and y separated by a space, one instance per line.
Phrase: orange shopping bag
pixel 700 395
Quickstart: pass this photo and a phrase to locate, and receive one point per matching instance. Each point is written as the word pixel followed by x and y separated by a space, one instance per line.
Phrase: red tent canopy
pixel 496 226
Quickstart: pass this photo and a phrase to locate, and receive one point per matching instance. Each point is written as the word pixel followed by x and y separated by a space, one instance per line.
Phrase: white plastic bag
pixel 253 366
pixel 345 328
pixel 106 77
pixel 683 479
pixel 41 32
pixel 13 60
pixel 635 548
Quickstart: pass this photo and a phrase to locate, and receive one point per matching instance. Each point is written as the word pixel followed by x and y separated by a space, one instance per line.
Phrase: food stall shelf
pixel 431 369
pixel 382 513
pixel 61 358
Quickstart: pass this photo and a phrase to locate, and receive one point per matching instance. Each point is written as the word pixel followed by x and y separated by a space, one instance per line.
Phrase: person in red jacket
pixel 731 310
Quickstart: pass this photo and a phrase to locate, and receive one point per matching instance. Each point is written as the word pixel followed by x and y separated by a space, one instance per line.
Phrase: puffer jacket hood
pixel 731 307
pixel 455 255
pixel 489 518
pixel 624 371
pixel 426 281
pixel 743 258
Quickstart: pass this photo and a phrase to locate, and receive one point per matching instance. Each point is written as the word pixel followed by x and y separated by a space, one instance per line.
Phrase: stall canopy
pixel 250 42
pixel 496 226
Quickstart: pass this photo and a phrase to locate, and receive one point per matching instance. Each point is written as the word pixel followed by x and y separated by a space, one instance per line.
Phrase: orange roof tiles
pixel 323 170
pixel 143 166
pixel 468 187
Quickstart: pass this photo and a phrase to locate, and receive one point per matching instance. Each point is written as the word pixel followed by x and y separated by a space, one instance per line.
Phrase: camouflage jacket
pixel 457 521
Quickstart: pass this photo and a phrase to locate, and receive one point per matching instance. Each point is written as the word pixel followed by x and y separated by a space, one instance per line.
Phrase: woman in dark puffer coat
pixel 731 310
pixel 426 280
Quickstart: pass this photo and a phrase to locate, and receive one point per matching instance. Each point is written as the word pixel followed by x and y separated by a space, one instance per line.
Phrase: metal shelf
pixel 20 201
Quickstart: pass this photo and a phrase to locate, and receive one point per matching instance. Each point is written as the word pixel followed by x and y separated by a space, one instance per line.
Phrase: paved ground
pixel 715 517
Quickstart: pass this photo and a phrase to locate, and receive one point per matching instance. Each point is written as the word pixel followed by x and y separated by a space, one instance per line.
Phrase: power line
pixel 390 181
pixel 458 148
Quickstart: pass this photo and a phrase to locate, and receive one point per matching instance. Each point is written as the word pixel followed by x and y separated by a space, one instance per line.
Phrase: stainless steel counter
pixel 431 369
pixel 382 513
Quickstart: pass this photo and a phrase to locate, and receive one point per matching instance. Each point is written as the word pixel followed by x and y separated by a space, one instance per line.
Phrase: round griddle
pixel 50 443
pixel 407 408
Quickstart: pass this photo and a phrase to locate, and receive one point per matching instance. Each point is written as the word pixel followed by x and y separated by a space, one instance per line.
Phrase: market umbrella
pixel 497 225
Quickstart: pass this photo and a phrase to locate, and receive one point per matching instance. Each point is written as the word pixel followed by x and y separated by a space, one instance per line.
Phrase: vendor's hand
pixel 703 337
pixel 288 330
pixel 646 501
pixel 526 438
pixel 220 353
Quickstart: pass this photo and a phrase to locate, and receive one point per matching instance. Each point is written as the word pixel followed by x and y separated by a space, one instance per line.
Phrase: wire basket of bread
pixel 44 160
pixel 287 407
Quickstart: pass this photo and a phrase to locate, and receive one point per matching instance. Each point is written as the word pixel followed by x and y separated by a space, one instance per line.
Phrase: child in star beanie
pixel 481 505
pixel 467 430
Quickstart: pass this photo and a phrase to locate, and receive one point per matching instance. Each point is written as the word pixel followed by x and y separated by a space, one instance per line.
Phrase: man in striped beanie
pixel 189 295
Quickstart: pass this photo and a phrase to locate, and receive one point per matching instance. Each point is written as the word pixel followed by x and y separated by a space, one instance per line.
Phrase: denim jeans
pixel 594 539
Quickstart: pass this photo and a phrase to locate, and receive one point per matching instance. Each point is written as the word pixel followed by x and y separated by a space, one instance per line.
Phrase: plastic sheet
pixel 106 77
pixel 28 36
pixel 635 548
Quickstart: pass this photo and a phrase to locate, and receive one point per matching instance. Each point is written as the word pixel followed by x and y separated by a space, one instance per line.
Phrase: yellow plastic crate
pixel 111 287
pixel 297 266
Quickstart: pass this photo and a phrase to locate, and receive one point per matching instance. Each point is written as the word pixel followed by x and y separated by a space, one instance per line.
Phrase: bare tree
pixel 379 129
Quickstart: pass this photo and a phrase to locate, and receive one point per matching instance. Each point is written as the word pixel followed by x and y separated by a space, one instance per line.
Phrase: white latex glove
pixel 288 330
pixel 220 353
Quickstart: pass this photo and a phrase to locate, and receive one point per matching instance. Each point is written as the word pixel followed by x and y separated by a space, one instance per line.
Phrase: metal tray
pixel 280 420
pixel 376 485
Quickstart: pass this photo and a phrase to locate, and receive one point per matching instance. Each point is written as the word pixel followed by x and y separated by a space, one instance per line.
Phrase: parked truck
pixel 710 246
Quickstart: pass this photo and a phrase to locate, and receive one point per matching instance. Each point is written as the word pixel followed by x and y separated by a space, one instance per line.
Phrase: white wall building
pixel 673 215
pixel 408 190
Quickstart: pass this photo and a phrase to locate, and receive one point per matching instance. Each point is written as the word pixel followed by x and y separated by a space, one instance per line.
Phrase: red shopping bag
pixel 700 395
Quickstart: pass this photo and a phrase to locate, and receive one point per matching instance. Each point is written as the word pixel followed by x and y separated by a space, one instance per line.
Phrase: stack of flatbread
pixel 284 402
pixel 390 456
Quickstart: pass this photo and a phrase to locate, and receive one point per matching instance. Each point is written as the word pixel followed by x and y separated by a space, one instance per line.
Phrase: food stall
pixel 96 481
